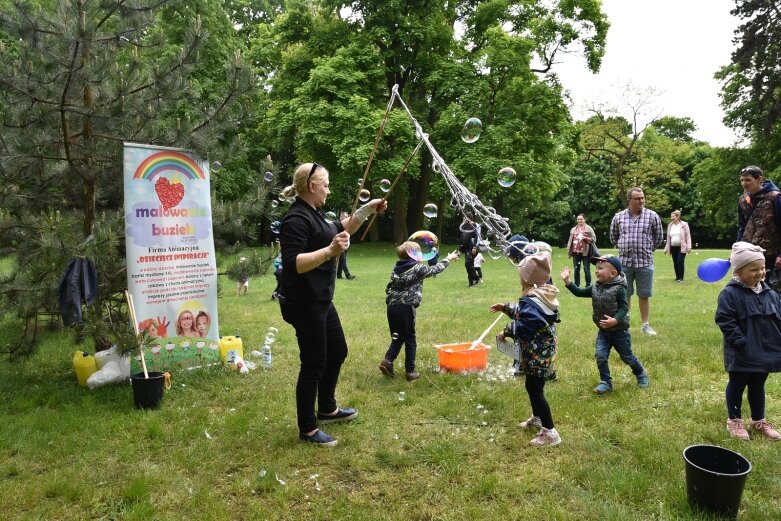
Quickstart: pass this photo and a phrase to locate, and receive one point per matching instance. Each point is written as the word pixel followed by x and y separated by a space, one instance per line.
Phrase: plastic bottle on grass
pixel 266 352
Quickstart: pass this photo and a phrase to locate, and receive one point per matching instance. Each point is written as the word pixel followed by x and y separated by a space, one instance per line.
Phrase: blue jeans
pixel 621 341
pixel 578 260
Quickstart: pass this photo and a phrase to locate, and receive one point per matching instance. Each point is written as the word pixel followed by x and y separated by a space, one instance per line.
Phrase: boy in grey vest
pixel 610 314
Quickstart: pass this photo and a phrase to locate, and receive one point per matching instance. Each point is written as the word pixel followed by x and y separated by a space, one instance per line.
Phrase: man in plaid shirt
pixel 637 232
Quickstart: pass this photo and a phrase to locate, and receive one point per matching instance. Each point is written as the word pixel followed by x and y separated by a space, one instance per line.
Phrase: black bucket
pixel 714 479
pixel 147 392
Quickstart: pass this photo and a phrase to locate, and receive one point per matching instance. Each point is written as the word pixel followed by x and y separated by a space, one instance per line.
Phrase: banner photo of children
pixel 171 266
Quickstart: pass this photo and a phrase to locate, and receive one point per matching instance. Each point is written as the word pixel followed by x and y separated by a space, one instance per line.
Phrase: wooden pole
pixel 132 309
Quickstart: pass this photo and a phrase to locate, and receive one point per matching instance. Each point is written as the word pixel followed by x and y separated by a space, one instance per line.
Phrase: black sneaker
pixel 350 277
pixel 319 438
pixel 342 415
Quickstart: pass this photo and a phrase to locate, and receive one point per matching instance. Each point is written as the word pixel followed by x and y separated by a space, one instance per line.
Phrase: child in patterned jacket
pixel 404 294
pixel 534 330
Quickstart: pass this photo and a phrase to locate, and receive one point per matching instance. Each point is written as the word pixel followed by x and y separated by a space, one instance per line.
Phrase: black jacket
pixel 305 229
pixel 78 285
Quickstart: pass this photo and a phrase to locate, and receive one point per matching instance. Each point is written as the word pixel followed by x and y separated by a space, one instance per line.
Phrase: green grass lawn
pixel 224 446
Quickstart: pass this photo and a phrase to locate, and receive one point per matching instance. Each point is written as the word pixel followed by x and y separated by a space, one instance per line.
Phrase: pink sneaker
pixel 534 421
pixel 546 437
pixel 767 429
pixel 736 428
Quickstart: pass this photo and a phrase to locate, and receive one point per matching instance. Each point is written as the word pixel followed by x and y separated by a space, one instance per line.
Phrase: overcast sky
pixel 673 46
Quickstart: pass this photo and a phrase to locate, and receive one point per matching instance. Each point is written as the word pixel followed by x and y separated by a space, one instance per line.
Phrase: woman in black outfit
pixel 310 243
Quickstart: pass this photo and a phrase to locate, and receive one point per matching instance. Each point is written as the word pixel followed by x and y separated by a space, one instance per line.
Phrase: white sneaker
pixel 648 330
pixel 546 437
pixel 533 421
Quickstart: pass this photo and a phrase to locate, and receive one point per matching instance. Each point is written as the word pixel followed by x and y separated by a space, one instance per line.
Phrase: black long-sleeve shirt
pixel 305 229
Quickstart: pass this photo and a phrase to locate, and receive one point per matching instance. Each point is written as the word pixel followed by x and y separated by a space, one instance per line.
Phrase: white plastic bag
pixel 105 356
pixel 109 374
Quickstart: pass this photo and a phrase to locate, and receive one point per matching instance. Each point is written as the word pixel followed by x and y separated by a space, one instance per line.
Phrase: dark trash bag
pixel 715 477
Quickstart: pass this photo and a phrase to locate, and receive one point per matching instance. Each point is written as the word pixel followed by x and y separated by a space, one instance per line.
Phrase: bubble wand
pixel 488 330
pixel 394 92
pixel 462 197
pixel 390 190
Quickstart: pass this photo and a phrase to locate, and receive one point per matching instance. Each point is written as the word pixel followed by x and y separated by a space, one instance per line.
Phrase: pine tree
pixel 77 79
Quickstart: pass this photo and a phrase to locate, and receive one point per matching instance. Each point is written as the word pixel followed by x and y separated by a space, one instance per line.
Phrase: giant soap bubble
pixel 426 245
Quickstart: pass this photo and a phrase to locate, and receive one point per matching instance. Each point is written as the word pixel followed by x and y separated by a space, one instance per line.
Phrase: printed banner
pixel 171 267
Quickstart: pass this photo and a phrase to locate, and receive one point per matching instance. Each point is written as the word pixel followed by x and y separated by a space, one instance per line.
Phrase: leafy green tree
pixel 751 84
pixel 332 70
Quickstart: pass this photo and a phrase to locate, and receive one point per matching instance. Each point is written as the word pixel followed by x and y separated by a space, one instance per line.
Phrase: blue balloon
pixel 712 270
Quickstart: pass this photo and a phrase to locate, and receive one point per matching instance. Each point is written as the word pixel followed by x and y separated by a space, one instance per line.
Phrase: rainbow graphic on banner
pixel 168 161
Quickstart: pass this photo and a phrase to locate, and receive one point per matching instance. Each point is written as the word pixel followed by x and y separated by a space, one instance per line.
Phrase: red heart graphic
pixel 169 194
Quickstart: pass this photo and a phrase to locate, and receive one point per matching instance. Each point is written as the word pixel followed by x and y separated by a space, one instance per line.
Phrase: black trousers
pixel 678 258
pixel 342 267
pixel 322 350
pixel 535 387
pixel 738 381
pixel 401 322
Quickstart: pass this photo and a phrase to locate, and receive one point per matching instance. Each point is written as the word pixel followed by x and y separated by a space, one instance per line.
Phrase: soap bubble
pixel 360 181
pixel 281 197
pixel 395 336
pixel 331 217
pixel 507 177
pixel 435 167
pixel 275 227
pixel 385 186
pixel 364 196
pixel 268 177
pixel 270 339
pixel 274 203
pixel 430 210
pixel 272 329
pixel 426 245
pixel 542 246
pixel 216 165
pixel 471 131
pixel 516 251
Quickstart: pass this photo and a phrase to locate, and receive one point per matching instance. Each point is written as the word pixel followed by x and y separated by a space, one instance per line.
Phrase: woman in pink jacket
pixel 679 242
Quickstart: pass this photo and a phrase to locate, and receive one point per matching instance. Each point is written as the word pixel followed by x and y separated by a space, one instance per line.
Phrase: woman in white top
pixel 679 242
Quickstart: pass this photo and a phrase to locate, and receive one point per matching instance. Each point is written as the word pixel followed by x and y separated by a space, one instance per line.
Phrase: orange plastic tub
pixel 458 358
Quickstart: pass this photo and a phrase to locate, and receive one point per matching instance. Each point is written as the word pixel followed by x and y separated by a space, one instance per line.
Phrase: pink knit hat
pixel 535 269
pixel 744 253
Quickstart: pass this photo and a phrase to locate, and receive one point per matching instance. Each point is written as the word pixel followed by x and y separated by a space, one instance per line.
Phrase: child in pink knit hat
pixel 533 328
pixel 749 316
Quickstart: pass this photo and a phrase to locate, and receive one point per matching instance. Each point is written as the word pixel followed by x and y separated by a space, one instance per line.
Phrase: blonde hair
pixel 676 213
pixel 301 179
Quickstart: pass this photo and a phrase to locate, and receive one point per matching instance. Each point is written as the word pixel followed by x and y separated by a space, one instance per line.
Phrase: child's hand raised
pixel 565 275
pixel 452 256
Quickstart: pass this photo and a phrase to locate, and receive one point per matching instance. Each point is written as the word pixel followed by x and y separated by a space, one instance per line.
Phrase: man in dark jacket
pixel 759 215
